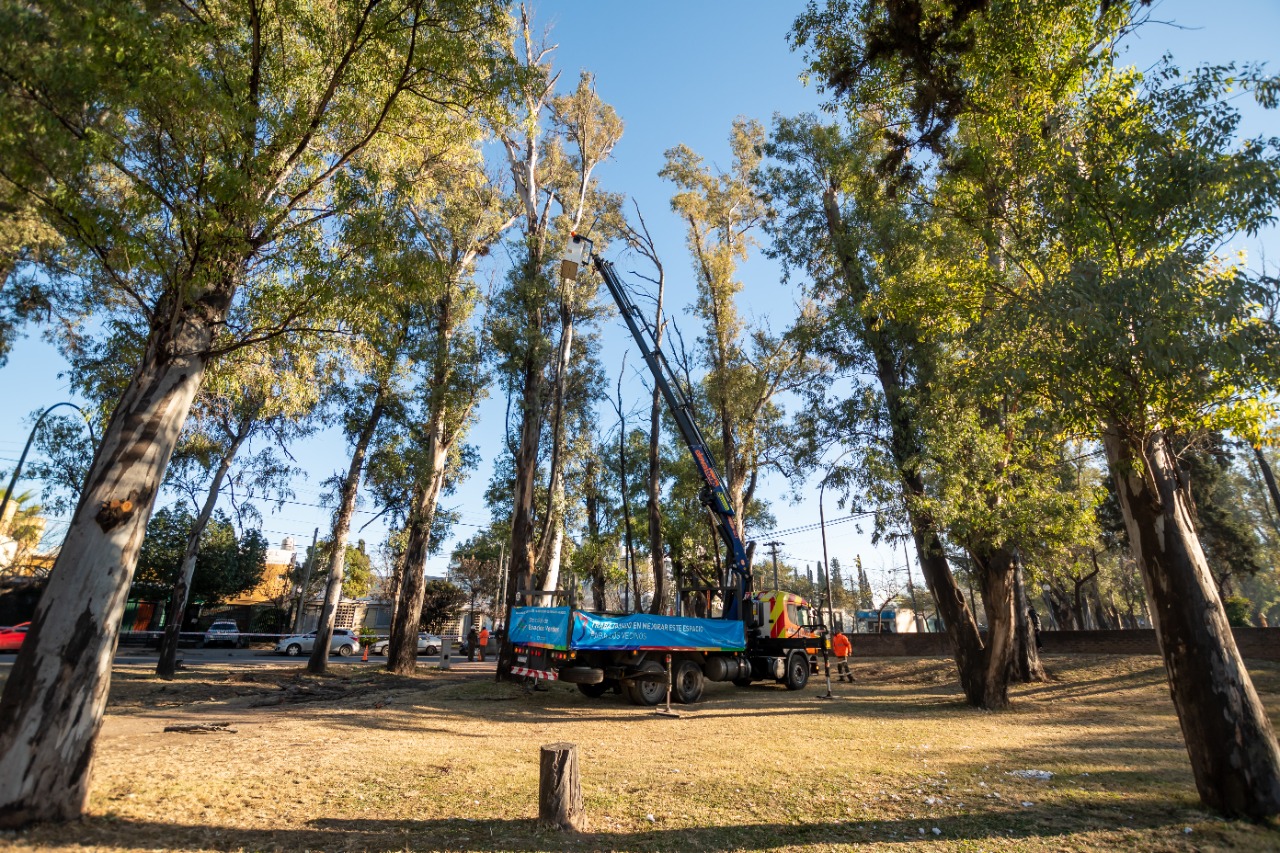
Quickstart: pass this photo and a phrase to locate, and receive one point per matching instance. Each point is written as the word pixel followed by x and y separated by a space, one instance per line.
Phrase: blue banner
pixel 642 631
pixel 544 627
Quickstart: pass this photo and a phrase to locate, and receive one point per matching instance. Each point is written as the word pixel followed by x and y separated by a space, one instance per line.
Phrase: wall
pixel 1256 643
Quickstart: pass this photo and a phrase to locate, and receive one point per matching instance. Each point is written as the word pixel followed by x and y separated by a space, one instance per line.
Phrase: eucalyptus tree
pixel 176 148
pixel 857 242
pixel 445 219
pixel 746 370
pixel 641 241
pixel 1127 320
pixel 553 150
pixel 268 393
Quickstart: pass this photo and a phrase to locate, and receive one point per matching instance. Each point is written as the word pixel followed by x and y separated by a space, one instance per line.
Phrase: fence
pixel 1255 643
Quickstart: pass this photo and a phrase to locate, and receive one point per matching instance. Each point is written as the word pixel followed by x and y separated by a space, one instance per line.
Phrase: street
pixel 137 656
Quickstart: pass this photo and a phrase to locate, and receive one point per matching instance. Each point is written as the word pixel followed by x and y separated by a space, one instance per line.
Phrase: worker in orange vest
pixel 841 648
pixel 484 641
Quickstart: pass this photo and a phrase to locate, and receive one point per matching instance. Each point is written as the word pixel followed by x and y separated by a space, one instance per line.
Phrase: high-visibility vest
pixel 840 646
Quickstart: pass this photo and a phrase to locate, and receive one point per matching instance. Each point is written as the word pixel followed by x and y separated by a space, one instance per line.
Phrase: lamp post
pixel 8 493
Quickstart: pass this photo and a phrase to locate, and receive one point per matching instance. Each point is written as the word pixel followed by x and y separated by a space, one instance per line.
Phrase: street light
pixel 8 493
pixel 822 523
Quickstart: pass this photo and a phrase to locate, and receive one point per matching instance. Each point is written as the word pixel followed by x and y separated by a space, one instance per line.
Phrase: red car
pixel 11 638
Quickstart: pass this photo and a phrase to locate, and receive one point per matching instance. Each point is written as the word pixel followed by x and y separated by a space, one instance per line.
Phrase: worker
pixel 473 640
pixel 484 641
pixel 841 648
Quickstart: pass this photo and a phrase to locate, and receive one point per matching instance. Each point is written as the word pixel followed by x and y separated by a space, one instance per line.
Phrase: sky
pixel 679 72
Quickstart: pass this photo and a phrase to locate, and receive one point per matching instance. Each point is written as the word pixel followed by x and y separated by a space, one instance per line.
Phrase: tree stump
pixel 559 788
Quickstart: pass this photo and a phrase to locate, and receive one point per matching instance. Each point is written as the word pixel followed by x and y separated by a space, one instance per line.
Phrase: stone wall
pixel 1256 643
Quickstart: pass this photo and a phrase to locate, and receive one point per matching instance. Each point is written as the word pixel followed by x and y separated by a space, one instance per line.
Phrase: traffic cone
pixel 365 659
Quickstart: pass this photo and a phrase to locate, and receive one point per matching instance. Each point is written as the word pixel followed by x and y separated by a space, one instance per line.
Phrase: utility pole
pixel 306 579
pixel 911 587
pixel 774 546
pixel 502 580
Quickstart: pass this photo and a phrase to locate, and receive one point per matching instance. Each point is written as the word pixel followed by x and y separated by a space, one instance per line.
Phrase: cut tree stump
pixel 560 789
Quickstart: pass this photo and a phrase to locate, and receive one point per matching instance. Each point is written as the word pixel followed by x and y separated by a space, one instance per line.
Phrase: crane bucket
pixel 577 252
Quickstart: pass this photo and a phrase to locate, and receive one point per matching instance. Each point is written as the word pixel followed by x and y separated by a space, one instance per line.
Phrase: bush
pixel 270 621
pixel 1238 609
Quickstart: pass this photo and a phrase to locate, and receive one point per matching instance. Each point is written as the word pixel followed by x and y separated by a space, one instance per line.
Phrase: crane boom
pixel 712 494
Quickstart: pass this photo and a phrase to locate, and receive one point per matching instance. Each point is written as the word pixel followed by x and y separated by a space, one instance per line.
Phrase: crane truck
pixel 766 635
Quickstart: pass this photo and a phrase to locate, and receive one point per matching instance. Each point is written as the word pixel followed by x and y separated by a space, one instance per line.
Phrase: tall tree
pixel 172 147
pixel 1166 335
pixel 746 370
pixel 538 313
pixel 266 393
pixel 449 223
pixel 857 242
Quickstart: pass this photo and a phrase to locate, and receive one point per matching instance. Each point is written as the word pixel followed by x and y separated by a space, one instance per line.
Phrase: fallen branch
pixel 200 728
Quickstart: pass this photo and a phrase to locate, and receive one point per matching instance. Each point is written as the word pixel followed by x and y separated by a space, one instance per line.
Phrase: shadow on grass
pixel 528 835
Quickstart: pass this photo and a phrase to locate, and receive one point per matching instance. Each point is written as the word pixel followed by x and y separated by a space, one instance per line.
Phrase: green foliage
pixel 1238 610
pixel 226 565
pixel 357 570
pixel 442 602
pixel 272 620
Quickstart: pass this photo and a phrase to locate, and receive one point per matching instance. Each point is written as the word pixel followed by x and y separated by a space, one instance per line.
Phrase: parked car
pixel 222 634
pixel 11 638
pixel 345 642
pixel 428 644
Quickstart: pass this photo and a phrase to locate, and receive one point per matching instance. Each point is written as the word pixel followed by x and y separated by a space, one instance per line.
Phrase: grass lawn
pixel 362 760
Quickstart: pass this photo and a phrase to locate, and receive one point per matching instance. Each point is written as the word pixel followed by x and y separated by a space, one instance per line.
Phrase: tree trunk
pixel 559 788
pixel 402 651
pixel 1270 478
pixel 654 490
pixel 1233 752
pixel 551 580
pixel 552 538
pixel 318 663
pixel 1026 666
pixel 889 347
pixel 626 512
pixel 593 532
pixel 997 572
pixel 52 704
pixel 521 568
pixel 167 666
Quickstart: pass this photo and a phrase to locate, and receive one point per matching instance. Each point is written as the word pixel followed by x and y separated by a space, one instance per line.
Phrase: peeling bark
pixel 53 701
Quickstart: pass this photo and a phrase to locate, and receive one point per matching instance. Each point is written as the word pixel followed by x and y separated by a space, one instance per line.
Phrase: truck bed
pixel 566 629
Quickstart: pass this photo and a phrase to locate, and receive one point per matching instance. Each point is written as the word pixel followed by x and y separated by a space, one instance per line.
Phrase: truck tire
pixel 797 674
pixel 688 683
pixel 594 691
pixel 582 675
pixel 647 691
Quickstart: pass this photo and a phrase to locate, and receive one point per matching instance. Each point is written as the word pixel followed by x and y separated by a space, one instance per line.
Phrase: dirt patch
pixel 1091 761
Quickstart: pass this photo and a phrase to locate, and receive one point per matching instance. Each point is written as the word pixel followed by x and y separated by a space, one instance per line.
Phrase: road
pixel 137 656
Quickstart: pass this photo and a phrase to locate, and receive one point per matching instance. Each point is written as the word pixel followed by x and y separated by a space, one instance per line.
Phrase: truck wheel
pixel 647 691
pixel 797 675
pixel 594 691
pixel 689 682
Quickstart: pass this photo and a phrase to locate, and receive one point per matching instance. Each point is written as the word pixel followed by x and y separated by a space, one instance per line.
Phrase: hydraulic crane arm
pixel 713 495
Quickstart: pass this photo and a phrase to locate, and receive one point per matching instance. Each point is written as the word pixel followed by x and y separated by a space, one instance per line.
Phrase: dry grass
pixel 449 761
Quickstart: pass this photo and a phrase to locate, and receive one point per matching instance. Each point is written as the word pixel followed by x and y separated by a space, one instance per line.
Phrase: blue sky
pixel 680 73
